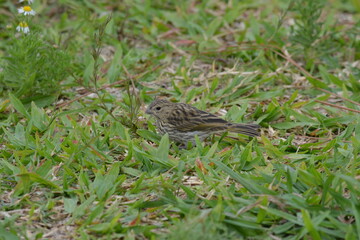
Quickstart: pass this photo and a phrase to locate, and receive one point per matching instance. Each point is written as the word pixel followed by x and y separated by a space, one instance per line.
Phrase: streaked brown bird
pixel 183 121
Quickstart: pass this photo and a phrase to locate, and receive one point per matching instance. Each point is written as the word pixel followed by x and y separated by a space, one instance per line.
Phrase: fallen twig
pixel 336 106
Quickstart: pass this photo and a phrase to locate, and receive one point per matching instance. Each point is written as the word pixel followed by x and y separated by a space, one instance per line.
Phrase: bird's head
pixel 160 108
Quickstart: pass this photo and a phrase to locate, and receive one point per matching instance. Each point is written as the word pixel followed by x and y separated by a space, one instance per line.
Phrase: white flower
pixel 29 1
pixel 23 27
pixel 26 10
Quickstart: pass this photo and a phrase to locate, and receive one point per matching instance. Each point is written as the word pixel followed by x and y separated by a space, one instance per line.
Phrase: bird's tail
pixel 249 129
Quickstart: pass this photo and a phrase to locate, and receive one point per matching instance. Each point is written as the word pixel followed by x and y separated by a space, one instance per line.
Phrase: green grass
pixel 80 159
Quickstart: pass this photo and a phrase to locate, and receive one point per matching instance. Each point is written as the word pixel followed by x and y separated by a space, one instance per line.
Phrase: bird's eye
pixel 158 108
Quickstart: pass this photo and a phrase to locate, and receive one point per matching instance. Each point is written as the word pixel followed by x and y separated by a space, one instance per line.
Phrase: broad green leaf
pixel 18 106
pixel 33 177
pixel 115 68
pixel 317 83
pixel 70 204
pixel 38 117
pixel 249 184
pixel 213 26
pixel 309 225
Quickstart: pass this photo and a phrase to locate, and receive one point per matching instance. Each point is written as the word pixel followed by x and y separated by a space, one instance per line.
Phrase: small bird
pixel 183 121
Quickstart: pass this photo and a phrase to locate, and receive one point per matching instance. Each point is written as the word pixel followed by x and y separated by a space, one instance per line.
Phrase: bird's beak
pixel 148 111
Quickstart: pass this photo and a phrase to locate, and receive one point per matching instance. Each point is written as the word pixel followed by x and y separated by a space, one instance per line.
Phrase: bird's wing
pixel 192 119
